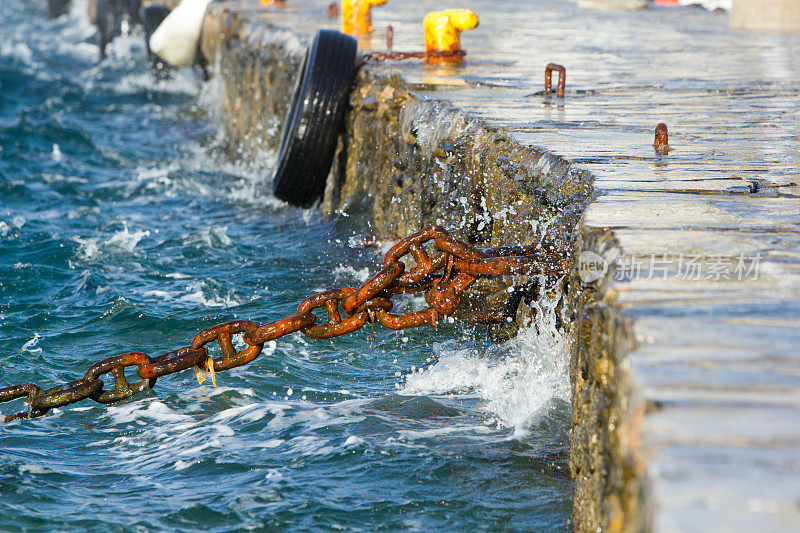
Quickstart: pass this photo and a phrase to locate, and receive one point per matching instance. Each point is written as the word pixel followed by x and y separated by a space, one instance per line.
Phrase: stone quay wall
pixel 406 162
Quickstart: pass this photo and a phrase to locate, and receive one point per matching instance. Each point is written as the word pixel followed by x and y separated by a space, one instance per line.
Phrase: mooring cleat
pixel 357 17
pixel 443 33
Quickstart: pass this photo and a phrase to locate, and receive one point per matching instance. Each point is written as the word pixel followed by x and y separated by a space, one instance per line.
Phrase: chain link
pixel 444 277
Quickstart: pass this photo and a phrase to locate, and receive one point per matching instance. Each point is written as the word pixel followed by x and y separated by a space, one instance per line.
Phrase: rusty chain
pixel 444 277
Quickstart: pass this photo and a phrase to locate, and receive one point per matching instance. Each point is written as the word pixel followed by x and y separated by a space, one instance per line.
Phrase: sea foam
pixel 515 380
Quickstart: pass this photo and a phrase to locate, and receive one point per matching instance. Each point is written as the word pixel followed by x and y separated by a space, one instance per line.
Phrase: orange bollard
pixel 443 33
pixel 356 16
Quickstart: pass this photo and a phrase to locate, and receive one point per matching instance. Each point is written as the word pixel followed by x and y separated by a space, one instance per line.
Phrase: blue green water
pixel 123 227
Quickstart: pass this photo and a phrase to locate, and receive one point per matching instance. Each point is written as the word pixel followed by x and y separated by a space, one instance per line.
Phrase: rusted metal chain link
pixel 444 276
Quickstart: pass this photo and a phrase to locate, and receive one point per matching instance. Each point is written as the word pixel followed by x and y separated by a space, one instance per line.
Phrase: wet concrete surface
pixel 714 366
pixel 716 361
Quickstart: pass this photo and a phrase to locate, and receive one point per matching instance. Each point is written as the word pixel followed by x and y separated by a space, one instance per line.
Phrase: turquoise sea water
pixel 123 228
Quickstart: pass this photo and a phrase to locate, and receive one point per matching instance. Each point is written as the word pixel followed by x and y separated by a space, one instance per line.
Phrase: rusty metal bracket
pixel 393 56
pixel 562 79
pixel 661 142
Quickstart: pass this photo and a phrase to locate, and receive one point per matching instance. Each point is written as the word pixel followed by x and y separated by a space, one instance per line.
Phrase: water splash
pixel 516 381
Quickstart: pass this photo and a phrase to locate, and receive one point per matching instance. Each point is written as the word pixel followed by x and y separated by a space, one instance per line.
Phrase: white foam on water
pixel 16 223
pixel 154 410
pixel 352 440
pixel 249 186
pixel 35 469
pixel 462 431
pixel 126 239
pixel 185 81
pixel 407 303
pixel 269 348
pixel 79 15
pixel 211 98
pixel 61 178
pixel 123 240
pixel 255 192
pixel 28 44
pixel 247 413
pixel 57 155
pixel 199 292
pixel 17 51
pixel 88 247
pixel 161 295
pixel 515 380
pixel 156 180
pixel 169 439
pixel 214 237
pixel 183 465
pixel 203 292
pixel 269 444
pixel 309 445
pixel 346 274
pixel 273 475
pixel 30 346
pixel 120 304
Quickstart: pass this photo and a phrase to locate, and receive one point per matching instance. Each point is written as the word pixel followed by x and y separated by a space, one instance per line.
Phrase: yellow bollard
pixel 443 33
pixel 356 16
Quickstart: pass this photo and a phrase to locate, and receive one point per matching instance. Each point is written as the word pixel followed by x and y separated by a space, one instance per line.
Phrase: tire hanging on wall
pixel 315 118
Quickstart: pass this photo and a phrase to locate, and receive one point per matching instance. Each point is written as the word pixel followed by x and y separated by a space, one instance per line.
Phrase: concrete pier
pixel 613 4
pixel 685 370
pixel 766 14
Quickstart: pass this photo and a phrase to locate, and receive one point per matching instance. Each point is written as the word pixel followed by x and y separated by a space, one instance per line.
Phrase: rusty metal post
pixel 333 10
pixel 661 142
pixel 562 79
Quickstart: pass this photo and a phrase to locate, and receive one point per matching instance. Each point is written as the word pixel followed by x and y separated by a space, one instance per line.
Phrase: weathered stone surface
pixel 421 162
pixel 766 14
pixel 255 64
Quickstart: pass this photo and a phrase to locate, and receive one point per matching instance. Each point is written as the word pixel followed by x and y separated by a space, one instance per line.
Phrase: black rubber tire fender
pixel 315 118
